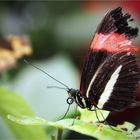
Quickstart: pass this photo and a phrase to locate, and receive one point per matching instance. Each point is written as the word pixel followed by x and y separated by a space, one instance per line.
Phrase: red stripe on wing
pixel 112 42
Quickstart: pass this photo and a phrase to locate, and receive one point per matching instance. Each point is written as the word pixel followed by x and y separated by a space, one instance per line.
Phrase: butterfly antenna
pixel 56 87
pixel 27 62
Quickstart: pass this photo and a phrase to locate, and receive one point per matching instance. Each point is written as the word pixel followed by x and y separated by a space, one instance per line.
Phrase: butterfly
pixel 111 72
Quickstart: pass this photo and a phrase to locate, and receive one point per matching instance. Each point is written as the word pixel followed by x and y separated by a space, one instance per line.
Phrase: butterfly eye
pixel 70 100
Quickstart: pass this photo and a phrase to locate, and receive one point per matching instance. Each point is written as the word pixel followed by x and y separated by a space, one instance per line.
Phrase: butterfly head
pixel 75 96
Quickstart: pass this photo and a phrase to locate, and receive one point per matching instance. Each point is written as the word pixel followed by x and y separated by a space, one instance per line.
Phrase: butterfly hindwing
pixel 124 91
pixel 114 87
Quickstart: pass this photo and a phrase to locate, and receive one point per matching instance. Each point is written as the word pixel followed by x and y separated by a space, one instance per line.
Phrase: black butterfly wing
pixel 111 42
pixel 92 62
pixel 114 87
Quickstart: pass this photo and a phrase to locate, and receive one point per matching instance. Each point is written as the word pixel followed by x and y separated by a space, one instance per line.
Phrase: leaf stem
pixel 59 135
pixel 52 137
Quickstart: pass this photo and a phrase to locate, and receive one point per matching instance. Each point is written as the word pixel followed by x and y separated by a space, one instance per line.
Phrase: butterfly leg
pixel 66 112
pixel 69 102
pixel 105 122
pixel 95 109
pixel 74 115
pixel 98 117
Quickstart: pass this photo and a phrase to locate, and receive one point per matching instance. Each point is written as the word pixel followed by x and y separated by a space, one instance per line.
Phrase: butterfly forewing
pixel 111 73
pixel 93 61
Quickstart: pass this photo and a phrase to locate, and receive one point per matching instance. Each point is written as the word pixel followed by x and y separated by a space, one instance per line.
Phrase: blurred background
pixel 54 36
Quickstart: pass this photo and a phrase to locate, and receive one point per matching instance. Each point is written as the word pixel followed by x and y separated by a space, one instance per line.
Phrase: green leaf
pixel 137 134
pixel 87 125
pixel 90 116
pixel 129 126
pixel 98 130
pixel 11 103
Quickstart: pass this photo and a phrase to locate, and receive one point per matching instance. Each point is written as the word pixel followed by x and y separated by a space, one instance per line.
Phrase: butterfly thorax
pixel 81 101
